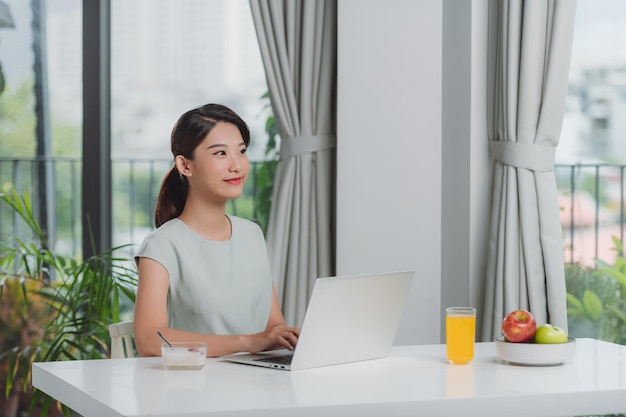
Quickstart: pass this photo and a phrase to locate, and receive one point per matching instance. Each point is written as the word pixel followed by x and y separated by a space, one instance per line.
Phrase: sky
pixel 599 33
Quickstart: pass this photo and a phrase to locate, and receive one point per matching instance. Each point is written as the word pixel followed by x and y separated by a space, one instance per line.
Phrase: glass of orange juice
pixel 460 330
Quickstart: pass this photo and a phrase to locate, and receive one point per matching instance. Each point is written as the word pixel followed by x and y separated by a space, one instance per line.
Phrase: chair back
pixel 122 340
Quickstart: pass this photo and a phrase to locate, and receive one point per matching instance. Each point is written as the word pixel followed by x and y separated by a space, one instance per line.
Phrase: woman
pixel 204 275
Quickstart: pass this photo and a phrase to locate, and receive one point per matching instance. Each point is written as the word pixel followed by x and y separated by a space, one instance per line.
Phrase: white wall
pixel 480 166
pixel 389 149
pixel 394 210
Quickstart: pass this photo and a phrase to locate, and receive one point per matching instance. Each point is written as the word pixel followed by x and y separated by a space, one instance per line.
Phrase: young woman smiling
pixel 204 275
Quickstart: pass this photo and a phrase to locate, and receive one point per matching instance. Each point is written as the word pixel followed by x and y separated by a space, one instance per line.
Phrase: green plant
pixel 616 306
pixel 267 170
pixel 55 307
pixel 597 298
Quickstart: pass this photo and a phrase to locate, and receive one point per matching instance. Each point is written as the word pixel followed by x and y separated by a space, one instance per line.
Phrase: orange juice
pixel 460 329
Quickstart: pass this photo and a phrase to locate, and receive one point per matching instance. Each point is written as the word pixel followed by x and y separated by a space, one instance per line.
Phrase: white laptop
pixel 348 319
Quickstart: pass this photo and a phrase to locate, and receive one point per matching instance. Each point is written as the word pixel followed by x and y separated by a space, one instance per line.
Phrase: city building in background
pixel 594 128
pixel 591 154
pixel 167 56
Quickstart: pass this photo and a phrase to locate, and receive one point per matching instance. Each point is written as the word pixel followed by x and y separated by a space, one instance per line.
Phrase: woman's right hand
pixel 275 337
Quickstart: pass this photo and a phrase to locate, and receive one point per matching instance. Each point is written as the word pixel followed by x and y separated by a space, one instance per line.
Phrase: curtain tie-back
pixel 299 145
pixel 524 155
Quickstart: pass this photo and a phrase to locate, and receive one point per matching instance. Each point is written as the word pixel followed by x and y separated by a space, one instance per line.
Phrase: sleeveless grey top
pixel 216 287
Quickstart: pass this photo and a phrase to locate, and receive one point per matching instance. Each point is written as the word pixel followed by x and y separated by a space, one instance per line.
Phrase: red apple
pixel 519 326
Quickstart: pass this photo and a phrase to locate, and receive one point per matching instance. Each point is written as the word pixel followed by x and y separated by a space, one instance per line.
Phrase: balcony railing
pixel 591 199
pixel 135 185
pixel 592 209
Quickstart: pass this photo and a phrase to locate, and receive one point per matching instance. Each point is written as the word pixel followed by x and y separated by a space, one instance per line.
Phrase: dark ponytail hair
pixel 189 131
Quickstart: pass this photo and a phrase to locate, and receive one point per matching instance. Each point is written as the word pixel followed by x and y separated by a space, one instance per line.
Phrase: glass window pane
pixel 40 114
pixel 591 169
pixel 168 56
pixel 16 100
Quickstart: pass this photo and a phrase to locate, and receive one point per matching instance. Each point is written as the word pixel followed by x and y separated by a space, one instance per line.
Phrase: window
pixel 592 147
pixel 591 170
pixel 167 56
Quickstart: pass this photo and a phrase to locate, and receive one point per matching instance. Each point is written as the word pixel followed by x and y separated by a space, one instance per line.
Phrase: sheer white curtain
pixel 298 48
pixel 530 48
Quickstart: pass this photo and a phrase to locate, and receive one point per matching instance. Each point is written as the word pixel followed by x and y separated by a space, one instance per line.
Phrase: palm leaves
pixel 66 304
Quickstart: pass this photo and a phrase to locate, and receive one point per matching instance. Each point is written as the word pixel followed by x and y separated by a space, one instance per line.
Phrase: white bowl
pixel 184 355
pixel 535 354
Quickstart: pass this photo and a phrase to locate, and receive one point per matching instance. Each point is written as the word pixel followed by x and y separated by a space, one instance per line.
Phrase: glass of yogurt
pixel 183 355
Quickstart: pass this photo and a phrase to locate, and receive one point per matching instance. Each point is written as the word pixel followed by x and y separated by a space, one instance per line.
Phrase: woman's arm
pixel 151 316
pixel 286 337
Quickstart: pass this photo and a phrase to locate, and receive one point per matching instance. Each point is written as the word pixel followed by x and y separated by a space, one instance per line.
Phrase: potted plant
pixel 23 317
pixel 596 298
pixel 54 307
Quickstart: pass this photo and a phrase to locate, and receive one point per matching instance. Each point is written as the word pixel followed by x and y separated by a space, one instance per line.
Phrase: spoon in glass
pixel 164 339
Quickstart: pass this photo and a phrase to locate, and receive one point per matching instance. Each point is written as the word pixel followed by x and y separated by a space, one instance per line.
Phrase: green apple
pixel 548 333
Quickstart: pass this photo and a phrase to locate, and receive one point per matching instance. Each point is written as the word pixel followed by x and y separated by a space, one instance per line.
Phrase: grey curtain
pixel 298 47
pixel 530 48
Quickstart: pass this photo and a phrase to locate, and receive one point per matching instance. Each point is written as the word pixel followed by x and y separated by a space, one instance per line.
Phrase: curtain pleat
pixel 298 47
pixel 530 48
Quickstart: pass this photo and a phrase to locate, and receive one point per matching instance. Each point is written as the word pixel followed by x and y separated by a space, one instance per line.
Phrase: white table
pixel 414 380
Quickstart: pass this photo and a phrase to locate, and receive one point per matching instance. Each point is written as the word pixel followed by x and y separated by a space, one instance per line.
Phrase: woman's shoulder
pixel 244 225
pixel 170 226
pixel 240 221
pixel 166 231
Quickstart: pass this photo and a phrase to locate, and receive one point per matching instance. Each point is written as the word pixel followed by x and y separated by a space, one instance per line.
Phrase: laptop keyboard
pixel 282 360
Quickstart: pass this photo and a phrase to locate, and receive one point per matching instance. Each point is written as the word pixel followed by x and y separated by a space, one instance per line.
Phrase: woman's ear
pixel 182 165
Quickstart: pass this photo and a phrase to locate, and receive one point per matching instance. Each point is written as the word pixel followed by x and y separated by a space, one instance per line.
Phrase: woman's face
pixel 220 166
